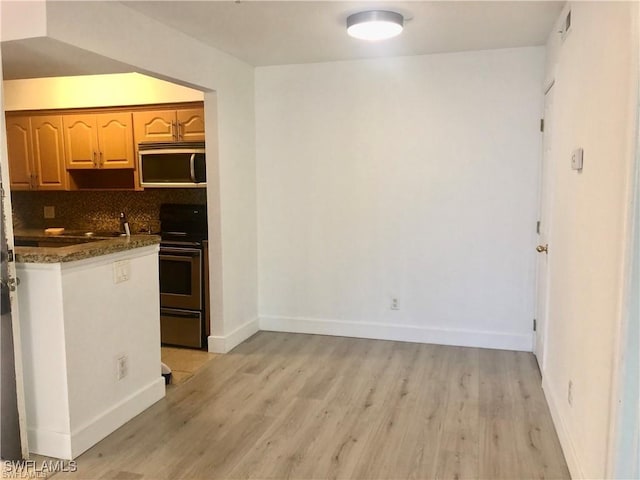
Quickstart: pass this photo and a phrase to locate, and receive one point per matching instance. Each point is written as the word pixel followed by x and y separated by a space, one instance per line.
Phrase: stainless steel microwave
pixel 172 165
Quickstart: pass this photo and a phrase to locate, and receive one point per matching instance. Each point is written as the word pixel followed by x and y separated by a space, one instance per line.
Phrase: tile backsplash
pixel 98 210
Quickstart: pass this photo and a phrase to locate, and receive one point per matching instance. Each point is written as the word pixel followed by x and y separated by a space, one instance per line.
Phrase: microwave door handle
pixel 192 166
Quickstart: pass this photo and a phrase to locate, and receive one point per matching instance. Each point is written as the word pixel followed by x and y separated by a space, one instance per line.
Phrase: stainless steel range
pixel 184 317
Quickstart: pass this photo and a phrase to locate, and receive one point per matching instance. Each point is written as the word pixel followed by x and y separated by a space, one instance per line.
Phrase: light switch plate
pixel 577 159
pixel 121 271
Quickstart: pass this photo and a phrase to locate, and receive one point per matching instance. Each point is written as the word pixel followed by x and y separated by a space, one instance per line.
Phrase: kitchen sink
pixel 103 234
pixel 65 239
pixel 93 233
pixel 54 242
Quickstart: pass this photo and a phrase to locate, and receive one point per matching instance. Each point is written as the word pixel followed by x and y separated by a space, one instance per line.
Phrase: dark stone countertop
pixel 87 247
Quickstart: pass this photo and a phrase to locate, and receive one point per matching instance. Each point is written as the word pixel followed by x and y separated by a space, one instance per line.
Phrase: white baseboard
pixel 401 333
pixel 109 421
pixel 566 442
pixel 69 446
pixel 226 343
pixel 50 444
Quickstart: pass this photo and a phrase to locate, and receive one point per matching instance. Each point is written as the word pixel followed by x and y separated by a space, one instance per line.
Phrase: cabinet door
pixel 48 153
pixel 154 126
pixel 191 124
pixel 20 152
pixel 80 141
pixel 115 139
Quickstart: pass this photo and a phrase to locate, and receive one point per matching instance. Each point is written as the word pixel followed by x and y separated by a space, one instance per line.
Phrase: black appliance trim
pixel 144 146
pixel 184 227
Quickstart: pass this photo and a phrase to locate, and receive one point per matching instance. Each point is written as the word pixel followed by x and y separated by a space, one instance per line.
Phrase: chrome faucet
pixel 124 224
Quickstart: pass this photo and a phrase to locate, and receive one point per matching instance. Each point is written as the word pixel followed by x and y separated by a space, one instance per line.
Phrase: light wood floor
pixel 184 362
pixel 315 407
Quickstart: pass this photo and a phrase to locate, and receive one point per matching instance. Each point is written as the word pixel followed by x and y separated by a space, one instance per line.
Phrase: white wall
pixel 93 91
pixel 595 103
pixel 112 30
pixel 411 177
pixel 626 446
pixel 22 20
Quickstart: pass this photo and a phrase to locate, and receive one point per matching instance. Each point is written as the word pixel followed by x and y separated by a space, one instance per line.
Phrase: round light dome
pixel 374 25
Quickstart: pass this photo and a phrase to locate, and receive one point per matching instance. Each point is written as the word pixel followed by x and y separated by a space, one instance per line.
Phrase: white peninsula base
pixel 91 346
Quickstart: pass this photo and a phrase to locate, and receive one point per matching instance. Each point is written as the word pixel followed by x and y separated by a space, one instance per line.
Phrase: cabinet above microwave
pixel 169 125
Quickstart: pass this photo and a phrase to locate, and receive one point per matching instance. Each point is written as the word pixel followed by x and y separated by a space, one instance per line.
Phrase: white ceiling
pixel 272 33
pixel 45 57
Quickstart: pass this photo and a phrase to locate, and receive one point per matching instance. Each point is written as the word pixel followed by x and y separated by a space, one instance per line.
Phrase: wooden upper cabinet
pixel 81 141
pixel 171 125
pixel 115 139
pixel 154 126
pixel 20 152
pixel 36 153
pixel 191 124
pixel 102 140
pixel 54 150
pixel 48 153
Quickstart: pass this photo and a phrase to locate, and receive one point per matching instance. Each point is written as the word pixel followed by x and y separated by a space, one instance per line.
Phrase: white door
pixel 543 248
pixel 13 441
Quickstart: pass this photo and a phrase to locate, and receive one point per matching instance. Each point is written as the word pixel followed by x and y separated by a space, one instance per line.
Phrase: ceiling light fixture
pixel 374 25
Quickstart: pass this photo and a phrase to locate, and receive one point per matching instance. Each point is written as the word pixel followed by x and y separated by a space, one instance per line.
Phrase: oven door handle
pixel 180 244
pixel 185 252
pixel 186 258
pixel 176 313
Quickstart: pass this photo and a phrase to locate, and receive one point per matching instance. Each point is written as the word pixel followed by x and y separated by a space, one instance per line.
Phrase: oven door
pixel 181 277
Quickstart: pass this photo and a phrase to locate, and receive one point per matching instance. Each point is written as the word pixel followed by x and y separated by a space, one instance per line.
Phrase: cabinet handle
pixel 180 131
pixel 95 160
pixel 101 160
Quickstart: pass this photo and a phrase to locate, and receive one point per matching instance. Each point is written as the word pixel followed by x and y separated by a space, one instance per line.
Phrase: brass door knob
pixel 543 248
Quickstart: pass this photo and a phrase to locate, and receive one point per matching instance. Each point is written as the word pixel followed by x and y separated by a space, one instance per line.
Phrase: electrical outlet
pixel 395 304
pixel 570 393
pixel 49 211
pixel 122 367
